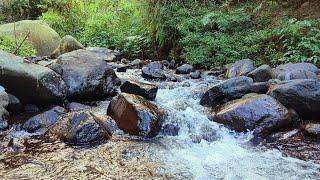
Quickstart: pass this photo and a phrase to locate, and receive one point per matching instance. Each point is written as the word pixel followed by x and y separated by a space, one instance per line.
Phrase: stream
pixel 201 149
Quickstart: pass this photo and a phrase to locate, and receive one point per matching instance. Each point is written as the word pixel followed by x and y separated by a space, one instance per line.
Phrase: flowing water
pixel 201 150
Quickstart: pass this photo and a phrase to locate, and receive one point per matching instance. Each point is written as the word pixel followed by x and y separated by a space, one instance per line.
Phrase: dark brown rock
pixel 260 113
pixel 135 115
pixel 146 90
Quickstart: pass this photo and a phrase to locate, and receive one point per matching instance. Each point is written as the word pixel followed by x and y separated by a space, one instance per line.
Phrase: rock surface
pixel 153 71
pixel 240 68
pixel 261 74
pixel 80 128
pixel 184 69
pixel 135 115
pixel 146 90
pixel 87 76
pixel 67 44
pixel 295 71
pixel 4 101
pixel 105 53
pixel 302 95
pixel 14 106
pixel 260 113
pixel 42 122
pixel 29 82
pixel 42 37
pixel 297 74
pixel 312 129
pixel 227 90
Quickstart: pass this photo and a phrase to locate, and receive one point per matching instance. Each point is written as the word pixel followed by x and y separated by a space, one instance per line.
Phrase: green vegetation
pixel 203 33
pixel 9 45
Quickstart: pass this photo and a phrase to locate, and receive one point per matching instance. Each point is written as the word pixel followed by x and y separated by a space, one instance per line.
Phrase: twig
pixel 17 49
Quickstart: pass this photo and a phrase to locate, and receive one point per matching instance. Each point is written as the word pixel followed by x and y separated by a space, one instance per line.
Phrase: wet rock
pixel 87 75
pixel 184 69
pixel 302 95
pixel 312 130
pixel 240 68
pixel 172 64
pixel 105 53
pixel 135 115
pixel 80 128
pixel 3 124
pixel 4 101
pixel 215 72
pixel 296 71
pixel 77 107
pixel 16 145
pixel 14 106
pixel 67 44
pixel 42 122
pixel 261 74
pixel 225 91
pixel 146 90
pixel 29 82
pixel 260 87
pixel 260 113
pixel 41 36
pixel 170 130
pixel 136 63
pixel 122 68
pixel 297 74
pixel 31 108
pixel 196 75
pixel 153 71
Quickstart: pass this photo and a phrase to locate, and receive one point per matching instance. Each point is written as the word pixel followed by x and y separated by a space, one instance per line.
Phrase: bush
pixel 113 24
pixel 209 34
pixel 9 45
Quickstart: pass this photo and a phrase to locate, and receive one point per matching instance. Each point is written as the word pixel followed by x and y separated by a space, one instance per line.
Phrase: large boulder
pixel 80 128
pixel 146 90
pixel 225 91
pixel 31 83
pixel 302 95
pixel 135 115
pixel 184 69
pixel 87 75
pixel 261 74
pixel 240 68
pixel 295 71
pixel 260 113
pixel 153 70
pixel 67 44
pixel 42 37
pixel 42 122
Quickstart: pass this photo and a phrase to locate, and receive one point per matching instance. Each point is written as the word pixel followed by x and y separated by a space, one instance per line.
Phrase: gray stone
pixel 240 68
pixel 29 82
pixel 225 91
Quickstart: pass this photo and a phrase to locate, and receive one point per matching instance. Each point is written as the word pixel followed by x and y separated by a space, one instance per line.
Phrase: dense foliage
pixel 204 33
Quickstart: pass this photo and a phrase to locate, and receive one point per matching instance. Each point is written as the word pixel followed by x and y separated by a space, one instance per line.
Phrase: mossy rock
pixel 44 39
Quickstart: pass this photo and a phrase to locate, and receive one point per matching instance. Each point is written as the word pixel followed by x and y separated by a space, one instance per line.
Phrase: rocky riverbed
pixel 91 114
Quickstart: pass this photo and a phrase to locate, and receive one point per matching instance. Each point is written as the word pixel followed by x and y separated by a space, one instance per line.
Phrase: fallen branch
pixel 24 39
